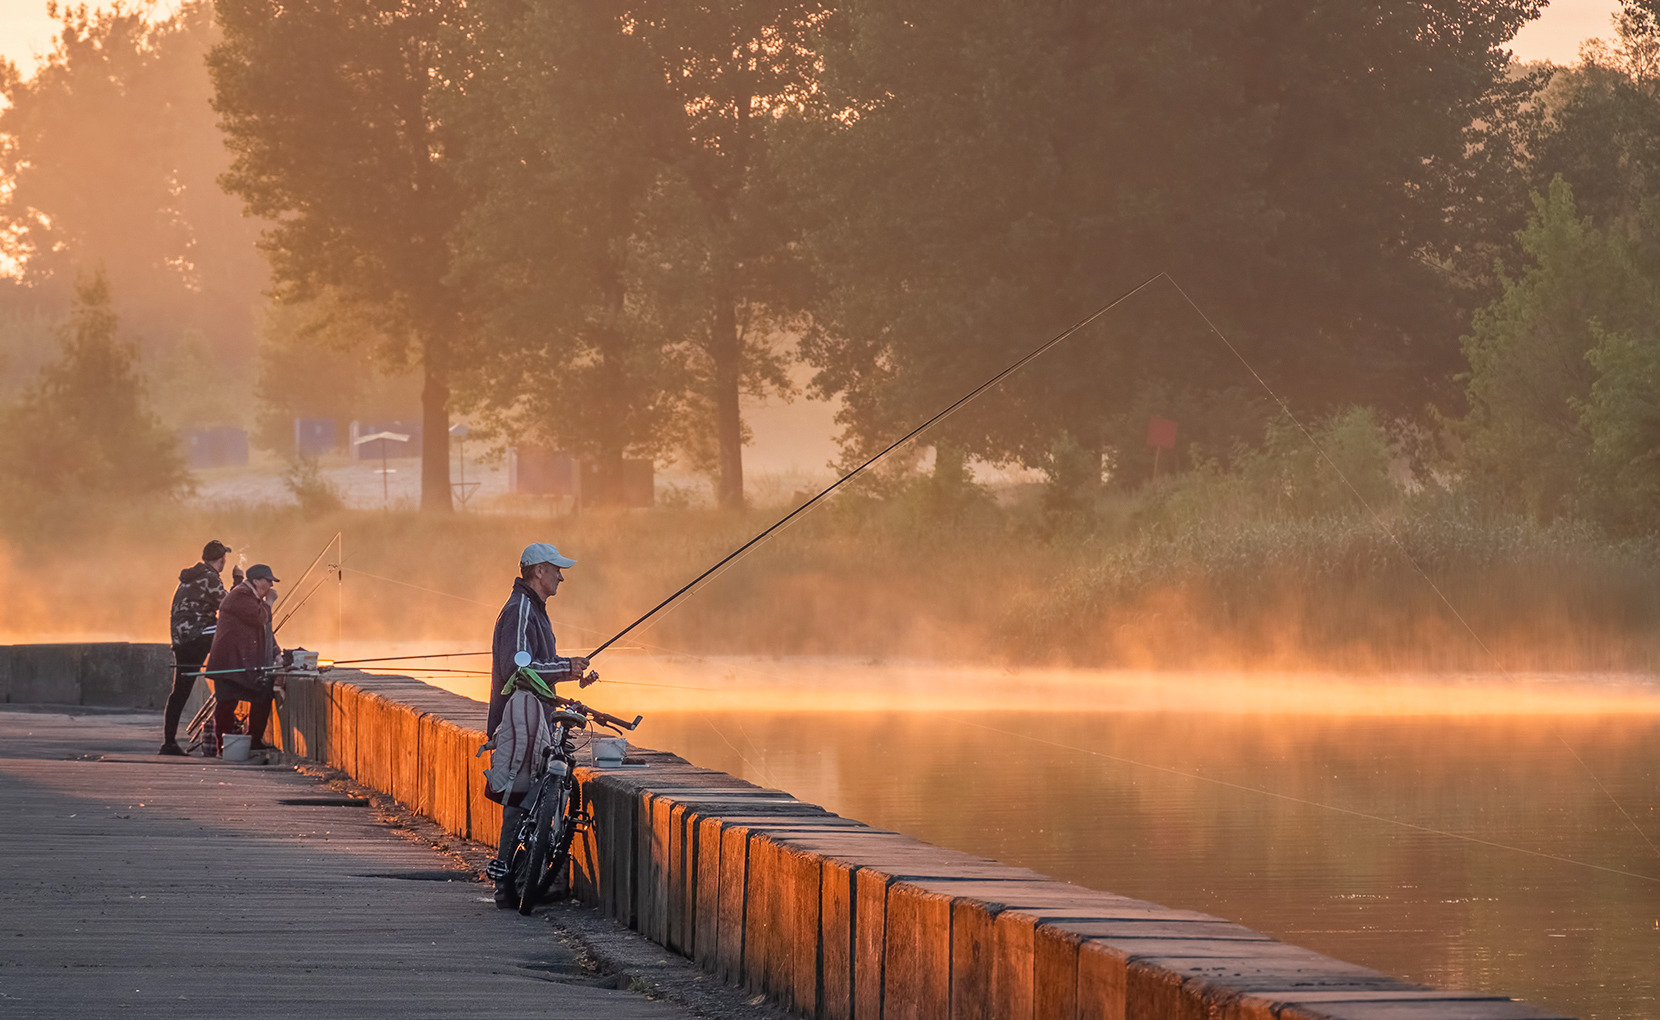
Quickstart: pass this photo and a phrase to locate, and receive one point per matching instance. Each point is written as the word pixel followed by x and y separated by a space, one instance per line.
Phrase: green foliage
pixel 317 360
pixel 1602 132
pixel 946 498
pixel 190 386
pixel 25 345
pixel 566 123
pixel 314 493
pixel 1339 466
pixel 1622 419
pixel 980 175
pixel 630 254
pixel 327 110
pixel 1074 473
pixel 1525 442
pixel 110 153
pixel 84 431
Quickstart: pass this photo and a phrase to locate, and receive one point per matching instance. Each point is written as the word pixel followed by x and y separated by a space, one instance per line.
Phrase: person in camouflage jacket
pixel 195 612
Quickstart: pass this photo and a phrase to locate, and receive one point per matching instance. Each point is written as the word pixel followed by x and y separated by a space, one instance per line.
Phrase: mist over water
pixel 1461 851
pixel 1484 832
pixel 1433 825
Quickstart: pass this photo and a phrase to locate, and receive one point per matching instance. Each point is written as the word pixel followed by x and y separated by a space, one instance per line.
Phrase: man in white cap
pixel 523 626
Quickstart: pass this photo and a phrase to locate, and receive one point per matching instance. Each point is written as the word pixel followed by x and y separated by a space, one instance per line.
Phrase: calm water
pixel 1442 832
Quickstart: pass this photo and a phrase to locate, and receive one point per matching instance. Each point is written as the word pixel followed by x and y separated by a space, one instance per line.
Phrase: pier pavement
pixel 133 885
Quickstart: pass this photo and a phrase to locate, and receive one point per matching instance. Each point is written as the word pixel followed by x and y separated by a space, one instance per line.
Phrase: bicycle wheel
pixel 564 826
pixel 518 863
pixel 539 850
pixel 573 815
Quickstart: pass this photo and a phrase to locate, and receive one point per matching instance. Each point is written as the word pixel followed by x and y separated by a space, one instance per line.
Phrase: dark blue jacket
pixel 522 625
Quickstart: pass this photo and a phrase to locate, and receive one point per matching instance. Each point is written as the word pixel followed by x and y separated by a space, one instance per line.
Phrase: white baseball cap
pixel 541 552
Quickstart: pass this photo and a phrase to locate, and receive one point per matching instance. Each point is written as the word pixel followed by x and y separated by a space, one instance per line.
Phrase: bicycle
pixel 552 812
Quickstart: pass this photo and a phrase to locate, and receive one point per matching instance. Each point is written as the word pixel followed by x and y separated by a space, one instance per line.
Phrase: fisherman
pixel 523 626
pixel 243 654
pixel 195 612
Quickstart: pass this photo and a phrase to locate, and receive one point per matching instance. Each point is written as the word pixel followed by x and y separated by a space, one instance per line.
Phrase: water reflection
pixel 1461 853
pixel 1440 829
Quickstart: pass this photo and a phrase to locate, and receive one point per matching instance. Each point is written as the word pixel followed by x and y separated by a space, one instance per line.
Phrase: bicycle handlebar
pixel 603 718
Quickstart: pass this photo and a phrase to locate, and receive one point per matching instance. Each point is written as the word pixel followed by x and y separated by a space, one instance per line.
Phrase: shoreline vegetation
pixel 1209 570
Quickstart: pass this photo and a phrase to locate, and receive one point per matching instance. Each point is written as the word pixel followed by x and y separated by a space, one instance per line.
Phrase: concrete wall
pixel 112 674
pixel 832 918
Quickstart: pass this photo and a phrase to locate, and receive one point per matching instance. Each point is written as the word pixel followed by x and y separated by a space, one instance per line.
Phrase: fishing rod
pixel 290 614
pixel 321 553
pixel 907 437
pixel 406 658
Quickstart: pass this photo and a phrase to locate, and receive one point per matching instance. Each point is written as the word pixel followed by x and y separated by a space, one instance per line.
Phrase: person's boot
pixel 507 897
pixel 172 749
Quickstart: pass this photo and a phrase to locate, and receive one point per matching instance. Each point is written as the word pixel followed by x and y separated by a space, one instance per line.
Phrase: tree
pixel 623 238
pixel 327 107
pixel 567 122
pixel 1525 438
pixel 725 229
pixel 110 152
pixel 982 174
pixel 313 363
pixel 625 214
pixel 1602 134
pixel 84 430
pixel 1621 417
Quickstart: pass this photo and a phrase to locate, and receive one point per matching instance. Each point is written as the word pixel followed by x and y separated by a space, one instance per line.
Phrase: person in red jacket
pixel 244 650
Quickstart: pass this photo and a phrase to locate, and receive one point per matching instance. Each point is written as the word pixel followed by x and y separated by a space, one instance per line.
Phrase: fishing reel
pixel 522 660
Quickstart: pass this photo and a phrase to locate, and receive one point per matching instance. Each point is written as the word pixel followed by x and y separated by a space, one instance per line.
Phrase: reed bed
pixel 1136 581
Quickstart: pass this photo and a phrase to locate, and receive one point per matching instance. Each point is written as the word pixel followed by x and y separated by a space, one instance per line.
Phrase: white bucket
pixel 236 747
pixel 609 750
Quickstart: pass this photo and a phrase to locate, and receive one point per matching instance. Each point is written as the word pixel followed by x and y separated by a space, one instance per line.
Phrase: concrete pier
pixel 831 918
pixel 139 886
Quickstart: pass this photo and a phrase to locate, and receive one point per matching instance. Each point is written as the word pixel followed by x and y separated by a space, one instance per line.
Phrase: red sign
pixel 1161 433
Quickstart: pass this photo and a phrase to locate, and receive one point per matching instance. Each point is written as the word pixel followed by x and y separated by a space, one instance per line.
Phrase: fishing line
pixel 290 614
pixel 1378 521
pixel 339 577
pixel 320 554
pixel 907 437
pixel 1377 518
pixel 407 658
pixel 1305 802
pixel 486 672
pixel 1607 793
pixel 563 624
pixel 758 769
pixel 429 591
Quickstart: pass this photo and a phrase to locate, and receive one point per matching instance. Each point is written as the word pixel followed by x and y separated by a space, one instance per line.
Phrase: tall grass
pixel 1208 571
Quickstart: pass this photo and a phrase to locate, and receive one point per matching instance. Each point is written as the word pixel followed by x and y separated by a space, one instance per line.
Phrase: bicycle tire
pixel 538 853
pixel 563 828
pixel 518 864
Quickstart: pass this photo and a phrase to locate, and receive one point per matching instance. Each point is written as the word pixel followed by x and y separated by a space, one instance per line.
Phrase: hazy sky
pixel 26 31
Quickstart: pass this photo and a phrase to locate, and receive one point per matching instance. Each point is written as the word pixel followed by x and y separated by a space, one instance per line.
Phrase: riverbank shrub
pixel 1426 586
pixel 1297 554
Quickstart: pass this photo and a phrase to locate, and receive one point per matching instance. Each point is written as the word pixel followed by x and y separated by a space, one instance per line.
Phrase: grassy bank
pixel 1136 581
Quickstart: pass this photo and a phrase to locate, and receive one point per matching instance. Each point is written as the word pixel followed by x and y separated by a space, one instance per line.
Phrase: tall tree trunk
pixel 727 352
pixel 435 435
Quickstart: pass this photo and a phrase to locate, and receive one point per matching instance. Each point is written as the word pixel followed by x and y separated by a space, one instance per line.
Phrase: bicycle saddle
pixel 570 720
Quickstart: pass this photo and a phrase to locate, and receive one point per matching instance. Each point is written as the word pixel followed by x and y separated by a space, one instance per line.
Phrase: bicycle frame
pixel 552 812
